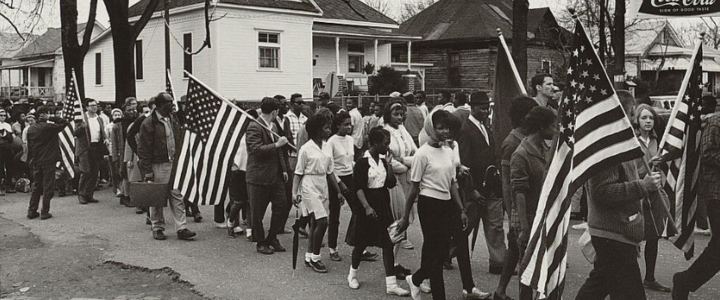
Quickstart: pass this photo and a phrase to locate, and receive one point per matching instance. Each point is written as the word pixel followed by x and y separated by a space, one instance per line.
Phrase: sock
pixel 332 250
pixel 390 282
pixel 308 256
pixel 315 258
pixel 353 273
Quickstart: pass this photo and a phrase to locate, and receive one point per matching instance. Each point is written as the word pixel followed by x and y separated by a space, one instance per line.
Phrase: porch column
pixel 376 55
pixel 409 55
pixel 337 55
pixel 28 87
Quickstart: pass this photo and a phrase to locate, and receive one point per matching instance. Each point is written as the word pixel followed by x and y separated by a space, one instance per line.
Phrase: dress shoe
pixel 92 200
pixel 231 232
pixel 139 210
pixel 264 249
pixel 159 235
pixel 303 232
pixel 402 272
pixel 32 215
pixel 656 286
pixel 335 256
pixel 369 256
pixel 45 216
pixel 185 234
pixel 448 265
pixel 82 200
pixel 197 218
pixel 276 247
pixel 127 201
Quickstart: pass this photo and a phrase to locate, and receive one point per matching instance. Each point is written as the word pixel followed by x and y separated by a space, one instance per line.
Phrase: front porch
pixel 353 54
pixel 27 79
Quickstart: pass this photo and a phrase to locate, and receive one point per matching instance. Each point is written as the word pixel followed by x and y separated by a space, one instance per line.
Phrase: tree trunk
pixel 601 30
pixel 73 52
pixel 124 61
pixel 519 37
pixel 619 42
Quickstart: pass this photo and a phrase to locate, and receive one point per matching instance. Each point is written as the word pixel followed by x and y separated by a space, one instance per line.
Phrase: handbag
pixel 395 235
pixel 148 194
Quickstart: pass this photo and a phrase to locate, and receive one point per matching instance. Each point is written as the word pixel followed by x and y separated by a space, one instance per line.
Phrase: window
pixel 41 77
pixel 546 66
pixel 187 58
pixel 98 68
pixel 356 57
pixel 454 76
pixel 268 50
pixel 139 60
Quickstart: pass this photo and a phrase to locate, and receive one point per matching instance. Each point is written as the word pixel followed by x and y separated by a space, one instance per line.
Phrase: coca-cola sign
pixel 678 8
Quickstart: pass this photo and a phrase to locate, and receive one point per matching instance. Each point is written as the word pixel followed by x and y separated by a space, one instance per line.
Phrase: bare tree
pixel 73 51
pixel 411 8
pixel 23 16
pixel 124 35
pixel 382 6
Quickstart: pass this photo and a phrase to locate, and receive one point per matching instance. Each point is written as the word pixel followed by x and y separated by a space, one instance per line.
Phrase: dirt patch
pixel 32 269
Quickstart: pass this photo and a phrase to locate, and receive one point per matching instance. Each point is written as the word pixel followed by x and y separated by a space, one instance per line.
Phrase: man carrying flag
pixel 596 144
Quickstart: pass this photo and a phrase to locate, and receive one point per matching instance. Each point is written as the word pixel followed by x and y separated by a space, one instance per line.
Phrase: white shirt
pixel 481 127
pixel 423 109
pixel 94 125
pixel 358 133
pixel 434 168
pixel 341 148
pixel 240 159
pixel 376 172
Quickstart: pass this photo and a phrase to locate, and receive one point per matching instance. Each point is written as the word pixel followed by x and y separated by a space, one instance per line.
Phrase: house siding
pixel 324 55
pixel 238 73
pixel 154 59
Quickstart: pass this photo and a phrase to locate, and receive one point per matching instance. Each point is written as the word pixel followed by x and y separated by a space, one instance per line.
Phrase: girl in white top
pixel 403 148
pixel 341 149
pixel 310 186
pixel 433 177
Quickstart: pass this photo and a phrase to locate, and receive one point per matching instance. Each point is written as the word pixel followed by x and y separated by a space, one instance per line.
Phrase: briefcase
pixel 146 194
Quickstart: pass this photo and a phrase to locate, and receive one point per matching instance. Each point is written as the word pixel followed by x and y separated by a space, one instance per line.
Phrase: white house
pixel 37 68
pixel 259 48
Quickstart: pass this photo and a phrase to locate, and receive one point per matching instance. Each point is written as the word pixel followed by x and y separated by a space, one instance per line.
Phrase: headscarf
pixel 429 129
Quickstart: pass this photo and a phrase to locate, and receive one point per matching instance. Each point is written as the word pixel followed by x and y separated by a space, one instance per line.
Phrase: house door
pixel 41 77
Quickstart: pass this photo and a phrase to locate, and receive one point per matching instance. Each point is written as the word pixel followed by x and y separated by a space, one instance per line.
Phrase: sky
pixel 51 12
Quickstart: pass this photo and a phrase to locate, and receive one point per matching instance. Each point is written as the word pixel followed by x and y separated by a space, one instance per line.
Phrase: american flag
pixel 212 136
pixel 72 110
pixel 680 151
pixel 594 134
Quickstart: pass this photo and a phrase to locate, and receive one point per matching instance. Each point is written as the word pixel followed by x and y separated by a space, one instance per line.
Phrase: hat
pixel 395 95
pixel 30 115
pixel 116 110
pixel 478 98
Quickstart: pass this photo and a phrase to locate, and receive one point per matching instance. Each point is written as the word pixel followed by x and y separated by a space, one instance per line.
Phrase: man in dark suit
pixel 266 176
pixel 477 153
pixel 91 147
pixel 282 123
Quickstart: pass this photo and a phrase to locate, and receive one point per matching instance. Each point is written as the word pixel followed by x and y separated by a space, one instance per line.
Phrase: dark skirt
pixel 369 231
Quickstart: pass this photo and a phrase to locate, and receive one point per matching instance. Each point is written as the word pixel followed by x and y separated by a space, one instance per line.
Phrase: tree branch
pixel 13 26
pixel 90 25
pixel 147 14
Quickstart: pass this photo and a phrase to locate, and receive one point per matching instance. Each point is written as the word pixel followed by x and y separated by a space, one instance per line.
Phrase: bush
pixel 386 81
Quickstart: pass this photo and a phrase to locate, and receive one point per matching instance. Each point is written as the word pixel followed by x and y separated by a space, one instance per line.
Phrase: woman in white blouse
pixel 402 148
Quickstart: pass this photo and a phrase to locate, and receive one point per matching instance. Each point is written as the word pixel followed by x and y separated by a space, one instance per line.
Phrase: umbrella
pixel 296 242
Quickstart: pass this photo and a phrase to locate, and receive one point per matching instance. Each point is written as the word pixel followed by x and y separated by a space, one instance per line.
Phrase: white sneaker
pixel 221 225
pixel 425 287
pixel 238 230
pixel 476 294
pixel 581 226
pixel 414 290
pixel 397 291
pixel 353 283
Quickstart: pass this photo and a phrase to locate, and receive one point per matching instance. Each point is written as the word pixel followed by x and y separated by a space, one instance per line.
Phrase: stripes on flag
pixel 72 110
pixel 595 134
pixel 211 140
pixel 680 151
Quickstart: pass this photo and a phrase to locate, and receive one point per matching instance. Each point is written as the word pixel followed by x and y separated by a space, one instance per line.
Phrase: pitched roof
pixel 358 31
pixel 469 19
pixel 300 5
pixel 11 43
pixel 353 10
pixel 45 44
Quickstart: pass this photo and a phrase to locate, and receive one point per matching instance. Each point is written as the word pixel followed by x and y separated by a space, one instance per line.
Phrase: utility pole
pixel 619 45
pixel 167 40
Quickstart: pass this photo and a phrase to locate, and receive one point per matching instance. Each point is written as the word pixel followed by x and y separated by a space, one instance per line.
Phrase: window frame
pixel 542 66
pixel 139 62
pixel 187 58
pixel 358 54
pixel 275 46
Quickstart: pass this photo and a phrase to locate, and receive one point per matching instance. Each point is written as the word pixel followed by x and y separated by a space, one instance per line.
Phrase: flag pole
pixel 82 111
pixel 172 88
pixel 238 108
pixel 678 100
pixel 512 62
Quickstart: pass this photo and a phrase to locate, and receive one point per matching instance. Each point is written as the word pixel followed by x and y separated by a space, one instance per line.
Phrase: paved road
pixel 225 268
